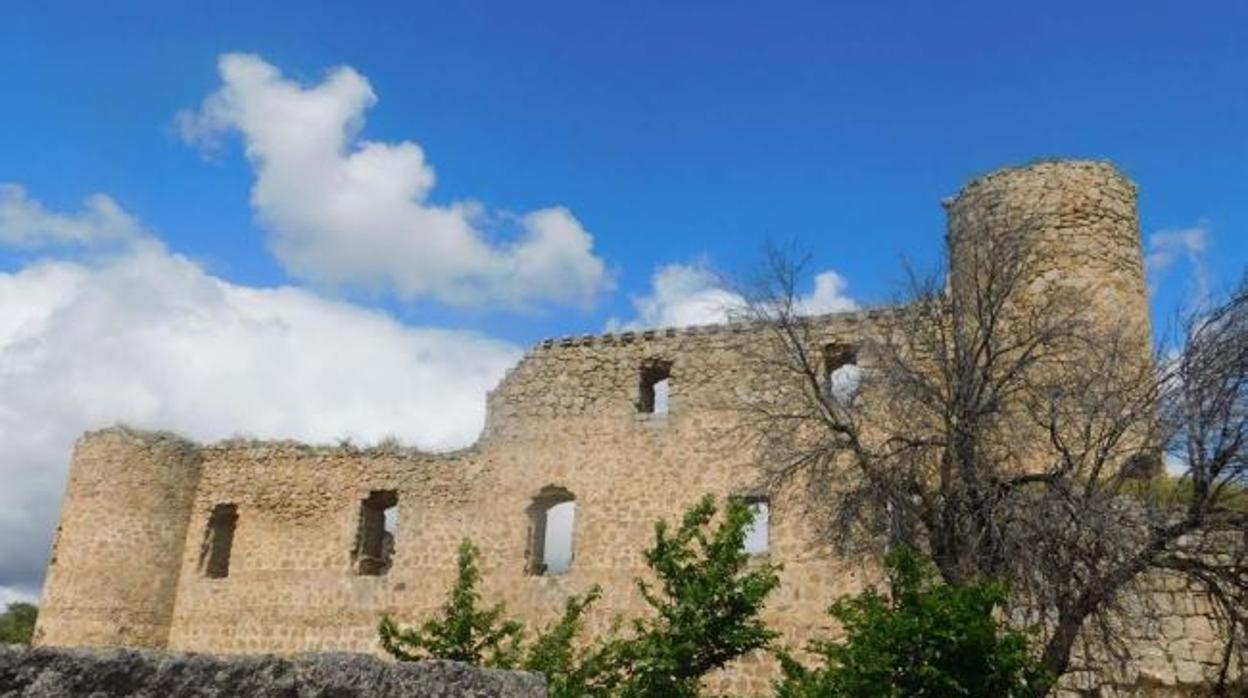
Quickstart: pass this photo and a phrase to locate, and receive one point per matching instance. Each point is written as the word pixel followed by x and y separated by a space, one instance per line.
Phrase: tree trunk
pixel 1056 659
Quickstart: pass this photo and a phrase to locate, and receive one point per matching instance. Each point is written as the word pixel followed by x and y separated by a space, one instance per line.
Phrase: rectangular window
pixel 378 526
pixel 758 532
pixel 552 517
pixel 214 557
pixel 656 378
pixel 841 375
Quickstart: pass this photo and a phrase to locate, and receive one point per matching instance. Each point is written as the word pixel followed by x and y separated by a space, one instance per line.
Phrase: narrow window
pixel 214 557
pixel 552 518
pixel 655 385
pixel 379 523
pixel 841 374
pixel 757 533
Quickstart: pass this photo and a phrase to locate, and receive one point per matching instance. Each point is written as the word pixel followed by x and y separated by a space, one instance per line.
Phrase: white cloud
pixel 1166 247
pixel 828 296
pixel 684 295
pixel 146 337
pixel 845 382
pixel 24 222
pixel 691 294
pixel 10 595
pixel 345 211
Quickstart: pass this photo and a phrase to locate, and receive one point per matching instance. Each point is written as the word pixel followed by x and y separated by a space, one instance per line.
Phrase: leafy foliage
pixel 570 672
pixel 925 639
pixel 465 632
pixel 706 604
pixel 17 623
pixel 706 613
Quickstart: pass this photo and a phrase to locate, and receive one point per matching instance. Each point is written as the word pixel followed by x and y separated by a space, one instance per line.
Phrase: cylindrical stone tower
pixel 1064 238
pixel 1078 223
pixel 113 574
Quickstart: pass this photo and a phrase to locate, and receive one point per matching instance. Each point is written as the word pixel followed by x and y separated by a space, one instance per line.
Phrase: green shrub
pixel 571 671
pixel 17 623
pixel 464 632
pixel 706 605
pixel 925 638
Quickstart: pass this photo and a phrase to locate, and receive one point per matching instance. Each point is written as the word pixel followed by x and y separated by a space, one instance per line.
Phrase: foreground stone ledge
pixel 47 672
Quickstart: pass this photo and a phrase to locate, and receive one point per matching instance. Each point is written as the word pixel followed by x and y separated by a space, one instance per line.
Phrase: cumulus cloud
pixel 682 295
pixel 692 294
pixel 25 223
pixel 346 211
pixel 828 296
pixel 144 336
pixel 1187 245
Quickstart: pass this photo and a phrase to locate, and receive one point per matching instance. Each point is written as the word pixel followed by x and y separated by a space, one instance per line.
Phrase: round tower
pixel 113 574
pixel 1077 224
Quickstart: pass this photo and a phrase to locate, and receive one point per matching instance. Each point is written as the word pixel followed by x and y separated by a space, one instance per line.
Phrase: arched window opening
pixel 214 556
pixel 842 377
pixel 656 377
pixel 378 526
pixel 758 533
pixel 552 519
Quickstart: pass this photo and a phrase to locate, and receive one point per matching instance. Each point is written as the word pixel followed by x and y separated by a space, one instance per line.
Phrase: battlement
pixel 623 337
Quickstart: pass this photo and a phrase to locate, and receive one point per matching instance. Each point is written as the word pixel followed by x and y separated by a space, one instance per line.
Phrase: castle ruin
pixel 248 547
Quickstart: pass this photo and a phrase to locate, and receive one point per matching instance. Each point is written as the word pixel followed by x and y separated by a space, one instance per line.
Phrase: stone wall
pixel 564 417
pixel 62 673
pixel 115 562
pixel 1174 640
pixel 1081 230
pixel 128 569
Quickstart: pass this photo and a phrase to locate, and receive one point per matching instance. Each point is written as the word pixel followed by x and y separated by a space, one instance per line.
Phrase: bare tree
pixel 1015 435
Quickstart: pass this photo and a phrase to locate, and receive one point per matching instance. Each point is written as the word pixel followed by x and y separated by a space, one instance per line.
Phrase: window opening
pixel 656 379
pixel 757 534
pixel 842 376
pixel 379 524
pixel 552 520
pixel 214 557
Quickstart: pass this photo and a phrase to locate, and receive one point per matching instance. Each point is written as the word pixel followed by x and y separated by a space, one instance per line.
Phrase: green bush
pixel 571 671
pixel 925 638
pixel 17 623
pixel 464 632
pixel 705 604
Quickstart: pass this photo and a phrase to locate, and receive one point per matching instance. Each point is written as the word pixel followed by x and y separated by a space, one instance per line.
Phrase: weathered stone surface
pixel 44 672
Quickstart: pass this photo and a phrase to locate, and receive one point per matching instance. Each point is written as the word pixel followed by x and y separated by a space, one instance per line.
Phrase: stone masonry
pixel 131 566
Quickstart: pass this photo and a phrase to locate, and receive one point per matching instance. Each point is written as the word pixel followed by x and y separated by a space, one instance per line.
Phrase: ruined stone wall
pixel 115 563
pixel 565 417
pixel 128 569
pixel 1174 640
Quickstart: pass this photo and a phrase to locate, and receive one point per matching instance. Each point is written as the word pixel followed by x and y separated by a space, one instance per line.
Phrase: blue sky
pixel 665 136
pixel 671 130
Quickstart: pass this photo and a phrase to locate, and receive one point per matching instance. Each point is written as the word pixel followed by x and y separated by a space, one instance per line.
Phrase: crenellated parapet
pixel 624 337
